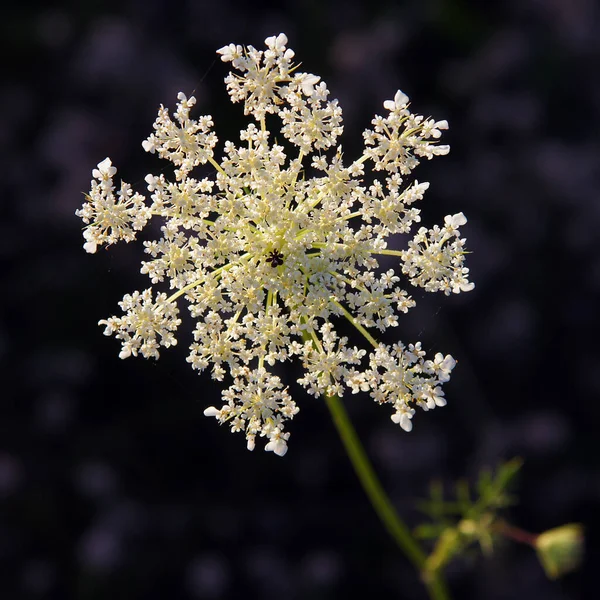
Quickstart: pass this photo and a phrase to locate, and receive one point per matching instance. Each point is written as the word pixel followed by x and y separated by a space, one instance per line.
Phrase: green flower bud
pixel 560 550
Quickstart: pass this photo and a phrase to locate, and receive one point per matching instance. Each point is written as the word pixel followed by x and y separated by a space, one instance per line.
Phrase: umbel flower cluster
pixel 281 242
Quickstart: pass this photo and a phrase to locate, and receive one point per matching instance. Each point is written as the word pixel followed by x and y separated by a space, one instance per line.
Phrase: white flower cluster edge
pixel 281 243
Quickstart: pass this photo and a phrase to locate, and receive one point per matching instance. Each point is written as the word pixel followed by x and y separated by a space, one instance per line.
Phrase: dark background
pixel 114 485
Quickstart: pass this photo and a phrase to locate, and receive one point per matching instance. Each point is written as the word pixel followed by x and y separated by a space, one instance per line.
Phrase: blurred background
pixel 112 482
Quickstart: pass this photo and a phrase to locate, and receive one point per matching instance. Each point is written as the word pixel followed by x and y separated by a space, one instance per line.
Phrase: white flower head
pixel 281 245
pixel 109 216
pixel 148 323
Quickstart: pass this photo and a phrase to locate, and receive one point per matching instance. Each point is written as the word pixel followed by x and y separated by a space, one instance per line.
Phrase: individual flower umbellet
pixel 281 244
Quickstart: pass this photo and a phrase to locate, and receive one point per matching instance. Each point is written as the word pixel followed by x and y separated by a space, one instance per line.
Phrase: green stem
pixel 381 503
pixel 356 324
pixel 515 533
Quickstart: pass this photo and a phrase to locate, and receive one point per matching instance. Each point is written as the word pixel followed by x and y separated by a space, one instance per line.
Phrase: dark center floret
pixel 275 258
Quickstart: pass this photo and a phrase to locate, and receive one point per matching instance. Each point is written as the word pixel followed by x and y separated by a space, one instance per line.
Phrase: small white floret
pixel 402 419
pixel 455 221
pixel 151 181
pixel 105 170
pixel 277 42
pixel 125 353
pixel 463 286
pixel 400 101
pixel 308 82
pixel 90 247
pixel 149 145
pixel 278 446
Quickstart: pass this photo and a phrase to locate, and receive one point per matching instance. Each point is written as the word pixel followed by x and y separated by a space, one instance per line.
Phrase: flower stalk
pixel 280 245
pixel 380 501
